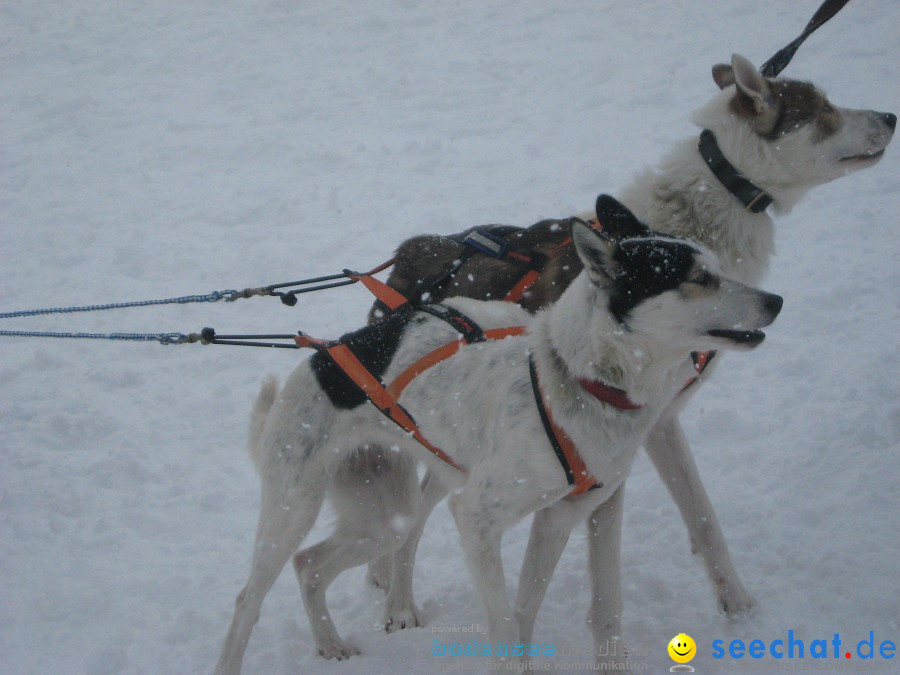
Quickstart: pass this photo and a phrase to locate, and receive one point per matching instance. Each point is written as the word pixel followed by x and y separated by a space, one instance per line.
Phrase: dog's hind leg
pixel 376 496
pixel 400 607
pixel 550 531
pixel 671 455
pixel 604 548
pixel 316 567
pixel 288 511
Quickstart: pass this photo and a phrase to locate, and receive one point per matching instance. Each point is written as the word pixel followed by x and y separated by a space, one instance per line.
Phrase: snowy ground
pixel 165 148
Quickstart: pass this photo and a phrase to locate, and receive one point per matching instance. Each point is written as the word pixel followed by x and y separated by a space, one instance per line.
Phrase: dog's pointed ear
pixel 723 75
pixel 616 221
pixel 751 84
pixel 596 253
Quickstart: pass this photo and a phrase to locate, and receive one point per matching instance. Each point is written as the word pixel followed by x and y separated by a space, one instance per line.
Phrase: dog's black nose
pixel 773 303
pixel 890 119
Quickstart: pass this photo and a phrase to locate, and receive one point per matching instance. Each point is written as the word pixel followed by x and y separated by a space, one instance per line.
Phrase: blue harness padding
pixel 482 239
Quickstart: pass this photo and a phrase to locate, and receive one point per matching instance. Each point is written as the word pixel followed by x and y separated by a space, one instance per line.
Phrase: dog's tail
pixel 264 401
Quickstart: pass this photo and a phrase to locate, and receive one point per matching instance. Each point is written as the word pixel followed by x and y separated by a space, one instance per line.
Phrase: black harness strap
pixel 545 420
pixel 468 329
pixel 577 475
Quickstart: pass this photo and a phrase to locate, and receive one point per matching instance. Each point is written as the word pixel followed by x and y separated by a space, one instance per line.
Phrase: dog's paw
pixel 398 620
pixel 337 649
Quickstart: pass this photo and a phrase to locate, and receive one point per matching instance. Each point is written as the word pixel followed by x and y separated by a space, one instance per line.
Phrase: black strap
pixel 783 56
pixel 545 420
pixel 470 331
pixel 431 285
pixel 754 198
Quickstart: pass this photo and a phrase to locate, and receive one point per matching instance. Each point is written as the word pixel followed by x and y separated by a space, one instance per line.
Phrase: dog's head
pixel 785 134
pixel 669 289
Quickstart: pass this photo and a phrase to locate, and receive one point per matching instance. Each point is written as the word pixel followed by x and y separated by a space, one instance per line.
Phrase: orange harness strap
pixel 389 296
pixel 527 281
pixel 584 481
pixel 374 390
pixel 529 278
pixel 396 387
pixel 576 472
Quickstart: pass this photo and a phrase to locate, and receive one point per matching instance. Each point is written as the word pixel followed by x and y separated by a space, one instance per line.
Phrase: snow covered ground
pixel 159 149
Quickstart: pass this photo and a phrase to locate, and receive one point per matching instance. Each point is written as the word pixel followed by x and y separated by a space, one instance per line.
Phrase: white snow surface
pixel 158 149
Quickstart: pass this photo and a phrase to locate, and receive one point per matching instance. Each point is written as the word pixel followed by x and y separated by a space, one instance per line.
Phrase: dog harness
pixel 490 241
pixel 349 369
pixel 338 357
pixel 341 373
pixel 348 381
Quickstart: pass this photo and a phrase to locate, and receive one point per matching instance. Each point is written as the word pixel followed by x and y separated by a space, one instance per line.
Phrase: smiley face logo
pixel 682 648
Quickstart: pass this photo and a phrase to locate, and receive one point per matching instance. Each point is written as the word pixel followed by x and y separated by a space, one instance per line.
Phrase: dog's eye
pixel 704 278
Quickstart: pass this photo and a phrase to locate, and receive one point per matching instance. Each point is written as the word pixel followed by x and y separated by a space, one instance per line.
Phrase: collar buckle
pixel 759 203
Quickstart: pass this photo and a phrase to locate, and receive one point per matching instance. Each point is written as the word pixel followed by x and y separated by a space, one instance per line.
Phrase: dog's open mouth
pixel 864 157
pixel 745 338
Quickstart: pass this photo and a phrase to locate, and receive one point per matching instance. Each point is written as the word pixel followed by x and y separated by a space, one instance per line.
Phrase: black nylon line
pixel 551 436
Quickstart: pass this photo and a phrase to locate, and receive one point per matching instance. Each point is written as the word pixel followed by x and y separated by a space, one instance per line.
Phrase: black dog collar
pixel 754 198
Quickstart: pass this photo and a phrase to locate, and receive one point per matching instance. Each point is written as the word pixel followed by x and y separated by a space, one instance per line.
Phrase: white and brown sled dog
pixel 627 323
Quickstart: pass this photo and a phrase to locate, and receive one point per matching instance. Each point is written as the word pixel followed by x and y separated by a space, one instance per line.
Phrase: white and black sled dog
pixel 598 367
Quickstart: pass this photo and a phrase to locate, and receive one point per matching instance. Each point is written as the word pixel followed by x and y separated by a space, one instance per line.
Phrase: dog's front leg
pixel 671 455
pixel 480 535
pixel 550 531
pixel 604 548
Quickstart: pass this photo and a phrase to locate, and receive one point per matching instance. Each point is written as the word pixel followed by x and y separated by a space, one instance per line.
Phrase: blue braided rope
pixel 215 296
pixel 162 338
